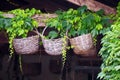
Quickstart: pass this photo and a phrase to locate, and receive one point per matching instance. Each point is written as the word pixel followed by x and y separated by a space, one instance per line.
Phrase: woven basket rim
pixel 28 45
pixel 51 46
pixel 80 36
pixel 27 37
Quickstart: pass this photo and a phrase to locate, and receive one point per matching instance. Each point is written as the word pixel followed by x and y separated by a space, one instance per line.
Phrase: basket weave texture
pixel 53 46
pixel 83 45
pixel 28 45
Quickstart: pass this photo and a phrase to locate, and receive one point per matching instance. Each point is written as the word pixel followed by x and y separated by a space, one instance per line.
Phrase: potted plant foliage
pixel 55 42
pixel 110 51
pixel 84 25
pixel 81 26
pixel 17 30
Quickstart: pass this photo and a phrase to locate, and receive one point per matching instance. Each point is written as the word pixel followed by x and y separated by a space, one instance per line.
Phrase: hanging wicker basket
pixel 83 45
pixel 53 46
pixel 29 45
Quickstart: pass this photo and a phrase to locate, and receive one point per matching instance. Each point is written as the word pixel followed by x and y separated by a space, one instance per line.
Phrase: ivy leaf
pixel 58 12
pixel 99 26
pixel 64 23
pixel 1 23
pixel 82 9
pixel 101 75
pixel 20 32
pixel 27 24
pixel 7 22
pixel 117 67
pixel 72 32
pixel 68 27
pixel 94 32
pixel 52 34
pixel 100 12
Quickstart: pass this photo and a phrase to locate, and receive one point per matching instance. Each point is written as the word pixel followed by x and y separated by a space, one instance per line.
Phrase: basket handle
pixel 37 32
pixel 47 27
pixel 44 30
pixel 42 34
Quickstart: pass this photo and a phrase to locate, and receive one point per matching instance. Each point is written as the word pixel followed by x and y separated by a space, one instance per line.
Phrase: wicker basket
pixel 28 45
pixel 53 46
pixel 83 45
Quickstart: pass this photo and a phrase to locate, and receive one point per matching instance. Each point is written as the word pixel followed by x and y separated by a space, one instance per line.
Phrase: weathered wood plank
pixel 40 18
pixel 94 5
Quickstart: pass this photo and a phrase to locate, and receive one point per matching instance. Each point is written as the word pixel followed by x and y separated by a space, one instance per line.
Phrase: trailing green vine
pixel 77 22
pixel 64 47
pixel 20 25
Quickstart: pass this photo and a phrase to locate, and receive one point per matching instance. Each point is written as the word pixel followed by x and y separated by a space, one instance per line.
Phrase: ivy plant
pixel 79 21
pixel 75 22
pixel 110 51
pixel 20 24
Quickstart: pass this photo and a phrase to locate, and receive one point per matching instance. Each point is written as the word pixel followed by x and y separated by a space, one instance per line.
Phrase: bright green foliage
pixel 80 21
pixel 75 22
pixel 63 49
pixel 53 34
pixel 110 52
pixel 19 25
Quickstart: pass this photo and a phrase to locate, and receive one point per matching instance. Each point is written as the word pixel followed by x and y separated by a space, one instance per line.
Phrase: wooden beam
pixel 42 18
pixel 94 5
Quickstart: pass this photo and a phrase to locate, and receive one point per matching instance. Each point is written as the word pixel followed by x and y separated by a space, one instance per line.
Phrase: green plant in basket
pixel 21 24
pixel 58 31
pixel 78 22
pixel 81 21
pixel 86 21
pixel 90 23
pixel 17 23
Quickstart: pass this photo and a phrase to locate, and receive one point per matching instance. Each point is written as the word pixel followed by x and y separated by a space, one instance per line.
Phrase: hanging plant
pixel 81 22
pixel 20 25
pixel 57 36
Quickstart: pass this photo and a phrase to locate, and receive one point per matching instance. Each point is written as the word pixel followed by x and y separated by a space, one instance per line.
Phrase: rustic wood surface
pixel 94 5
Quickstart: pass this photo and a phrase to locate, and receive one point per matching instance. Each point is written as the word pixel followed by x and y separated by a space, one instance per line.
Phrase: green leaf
pixel 101 75
pixel 99 26
pixel 20 32
pixel 58 12
pixel 52 34
pixel 100 12
pixel 82 9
